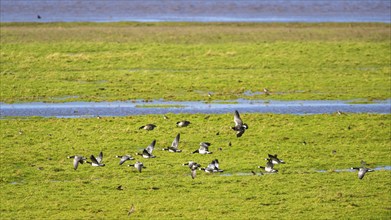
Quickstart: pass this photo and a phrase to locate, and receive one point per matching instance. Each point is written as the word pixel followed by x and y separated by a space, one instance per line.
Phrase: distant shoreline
pixel 196 11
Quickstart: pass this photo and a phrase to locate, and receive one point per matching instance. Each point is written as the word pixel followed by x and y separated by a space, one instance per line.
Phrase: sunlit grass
pixel 186 61
pixel 38 181
pixel 56 62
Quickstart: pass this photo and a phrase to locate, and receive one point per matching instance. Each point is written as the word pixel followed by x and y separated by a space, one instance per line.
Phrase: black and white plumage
pixel 203 149
pixel 213 167
pixel 124 158
pixel 269 167
pixel 362 170
pixel 239 127
pixel 148 127
pixel 183 123
pixel 77 160
pixel 193 166
pixel 174 145
pixel 275 159
pixel 147 152
pixel 138 165
pixel 96 161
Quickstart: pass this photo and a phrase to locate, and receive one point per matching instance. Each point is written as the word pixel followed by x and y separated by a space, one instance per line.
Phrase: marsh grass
pixel 186 61
pixel 159 106
pixel 38 181
pixel 57 62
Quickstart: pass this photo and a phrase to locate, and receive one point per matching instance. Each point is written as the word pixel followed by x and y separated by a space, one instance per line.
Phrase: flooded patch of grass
pixel 362 101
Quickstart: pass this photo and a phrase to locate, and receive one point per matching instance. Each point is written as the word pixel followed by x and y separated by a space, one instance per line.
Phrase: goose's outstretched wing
pixel 175 143
pixel 100 157
pixel 150 147
pixel 238 121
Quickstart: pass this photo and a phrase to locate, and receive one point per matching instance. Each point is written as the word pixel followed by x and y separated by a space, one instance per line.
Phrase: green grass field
pixel 58 62
pixel 38 181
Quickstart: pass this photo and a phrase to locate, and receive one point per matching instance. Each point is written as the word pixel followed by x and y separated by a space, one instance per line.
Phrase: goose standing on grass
pixel 124 158
pixel 193 167
pixel 131 210
pixel 269 166
pixel 148 127
pixel 147 152
pixel 275 159
pixel 362 170
pixel 96 161
pixel 183 123
pixel 239 127
pixel 138 165
pixel 213 167
pixel 76 160
pixel 174 145
pixel 204 148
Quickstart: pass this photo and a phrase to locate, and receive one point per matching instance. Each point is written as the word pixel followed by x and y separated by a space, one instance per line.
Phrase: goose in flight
pixel 138 165
pixel 203 149
pixel 147 152
pixel 174 145
pixel 239 127
pixel 77 160
pixel 124 158
pixel 96 161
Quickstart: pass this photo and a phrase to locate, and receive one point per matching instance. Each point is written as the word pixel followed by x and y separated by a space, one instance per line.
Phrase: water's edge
pixel 195 11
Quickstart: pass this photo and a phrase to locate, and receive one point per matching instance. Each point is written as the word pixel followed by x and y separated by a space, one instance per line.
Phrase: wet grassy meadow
pixel 58 62
pixel 186 61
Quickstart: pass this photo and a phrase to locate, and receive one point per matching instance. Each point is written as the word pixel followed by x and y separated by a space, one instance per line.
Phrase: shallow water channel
pixel 258 173
pixel 140 107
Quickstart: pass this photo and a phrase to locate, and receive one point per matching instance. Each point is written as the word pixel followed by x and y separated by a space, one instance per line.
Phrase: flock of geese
pixel 213 167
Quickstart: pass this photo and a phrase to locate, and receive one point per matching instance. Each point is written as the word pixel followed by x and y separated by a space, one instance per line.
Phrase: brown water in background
pixel 196 10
